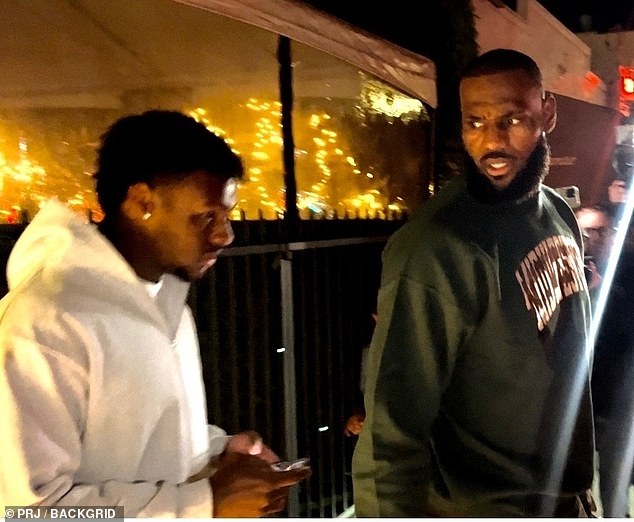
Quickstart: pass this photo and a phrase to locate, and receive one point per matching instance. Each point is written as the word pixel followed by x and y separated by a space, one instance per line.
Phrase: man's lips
pixel 209 259
pixel 496 165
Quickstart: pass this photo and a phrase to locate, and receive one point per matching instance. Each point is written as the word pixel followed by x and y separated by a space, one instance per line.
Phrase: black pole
pixel 288 148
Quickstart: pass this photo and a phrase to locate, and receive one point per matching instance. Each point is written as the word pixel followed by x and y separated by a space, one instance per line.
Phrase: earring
pixel 147 216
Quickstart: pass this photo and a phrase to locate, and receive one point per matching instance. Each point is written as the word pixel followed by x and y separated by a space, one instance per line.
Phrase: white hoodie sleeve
pixel 42 393
pixel 43 397
pixel 218 440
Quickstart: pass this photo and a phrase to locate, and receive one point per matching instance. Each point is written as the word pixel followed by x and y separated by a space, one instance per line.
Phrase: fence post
pixel 290 394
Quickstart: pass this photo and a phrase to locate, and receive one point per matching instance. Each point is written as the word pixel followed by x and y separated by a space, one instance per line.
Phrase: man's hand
pixel 354 425
pixel 246 442
pixel 246 486
pixel 250 443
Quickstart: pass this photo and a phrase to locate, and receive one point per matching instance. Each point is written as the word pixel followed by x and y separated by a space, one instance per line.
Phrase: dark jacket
pixel 477 373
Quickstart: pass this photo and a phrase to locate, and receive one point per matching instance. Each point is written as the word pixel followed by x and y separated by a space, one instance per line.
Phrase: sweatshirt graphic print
pixel 549 273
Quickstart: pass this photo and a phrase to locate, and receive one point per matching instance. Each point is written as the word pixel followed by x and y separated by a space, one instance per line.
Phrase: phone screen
pixel 287 465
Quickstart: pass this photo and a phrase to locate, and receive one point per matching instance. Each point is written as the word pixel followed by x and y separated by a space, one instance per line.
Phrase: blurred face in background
pixel 598 231
pixel 617 191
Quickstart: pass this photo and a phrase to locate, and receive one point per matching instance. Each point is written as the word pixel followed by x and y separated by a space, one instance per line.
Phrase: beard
pixel 524 185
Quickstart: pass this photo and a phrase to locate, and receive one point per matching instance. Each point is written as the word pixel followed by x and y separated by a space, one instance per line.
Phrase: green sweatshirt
pixel 477 392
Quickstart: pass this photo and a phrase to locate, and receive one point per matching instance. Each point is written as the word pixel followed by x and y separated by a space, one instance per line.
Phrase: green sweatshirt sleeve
pixel 411 360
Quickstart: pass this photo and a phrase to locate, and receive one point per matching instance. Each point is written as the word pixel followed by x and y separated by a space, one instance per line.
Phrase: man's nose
pixel 494 136
pixel 222 234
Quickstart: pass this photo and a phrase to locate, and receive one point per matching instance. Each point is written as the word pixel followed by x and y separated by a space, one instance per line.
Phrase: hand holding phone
pixel 287 465
pixel 245 486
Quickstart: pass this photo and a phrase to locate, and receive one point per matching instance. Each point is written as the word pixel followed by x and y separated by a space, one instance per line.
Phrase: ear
pixel 139 202
pixel 549 111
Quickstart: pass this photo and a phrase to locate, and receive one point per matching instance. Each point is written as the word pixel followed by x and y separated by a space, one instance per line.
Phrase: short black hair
pixel 623 161
pixel 501 60
pixel 158 145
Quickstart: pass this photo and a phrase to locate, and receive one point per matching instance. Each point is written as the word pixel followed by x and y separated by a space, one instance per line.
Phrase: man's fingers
pixel 277 500
pixel 291 477
pixel 268 455
pixel 275 506
pixel 256 448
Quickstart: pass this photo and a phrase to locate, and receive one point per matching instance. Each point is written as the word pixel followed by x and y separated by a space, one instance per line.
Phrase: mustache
pixel 525 184
pixel 498 154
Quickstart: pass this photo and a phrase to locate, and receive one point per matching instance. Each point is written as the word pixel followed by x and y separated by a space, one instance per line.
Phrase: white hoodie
pixel 101 389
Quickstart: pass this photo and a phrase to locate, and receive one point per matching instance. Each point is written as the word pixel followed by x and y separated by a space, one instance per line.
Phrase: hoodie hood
pixel 70 257
pixel 58 241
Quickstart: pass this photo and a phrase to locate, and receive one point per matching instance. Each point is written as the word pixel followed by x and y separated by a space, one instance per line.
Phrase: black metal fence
pixel 282 326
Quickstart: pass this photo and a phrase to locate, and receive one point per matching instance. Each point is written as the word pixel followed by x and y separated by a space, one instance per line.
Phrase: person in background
pixel 623 165
pixel 477 393
pixel 13 218
pixel 618 191
pixel 613 362
pixel 100 386
pixel 617 194
pixel 354 424
pixel 597 229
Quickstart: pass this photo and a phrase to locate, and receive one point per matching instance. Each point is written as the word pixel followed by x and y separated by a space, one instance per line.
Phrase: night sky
pixel 606 14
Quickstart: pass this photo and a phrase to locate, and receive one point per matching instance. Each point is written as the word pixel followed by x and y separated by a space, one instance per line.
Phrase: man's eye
pixel 514 121
pixel 207 218
pixel 475 124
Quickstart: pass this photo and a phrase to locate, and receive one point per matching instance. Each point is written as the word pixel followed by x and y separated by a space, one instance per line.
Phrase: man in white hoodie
pixel 100 385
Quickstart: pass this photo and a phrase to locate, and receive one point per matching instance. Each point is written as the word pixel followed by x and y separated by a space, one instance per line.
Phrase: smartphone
pixel 571 195
pixel 287 465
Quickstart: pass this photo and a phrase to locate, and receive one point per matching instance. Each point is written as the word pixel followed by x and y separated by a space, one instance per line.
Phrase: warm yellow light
pixel 376 97
pixel 259 155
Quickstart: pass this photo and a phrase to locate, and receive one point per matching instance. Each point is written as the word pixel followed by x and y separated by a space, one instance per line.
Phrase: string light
pixel 331 181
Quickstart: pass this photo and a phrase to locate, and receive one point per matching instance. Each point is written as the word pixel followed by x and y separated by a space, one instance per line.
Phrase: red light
pixel 626 75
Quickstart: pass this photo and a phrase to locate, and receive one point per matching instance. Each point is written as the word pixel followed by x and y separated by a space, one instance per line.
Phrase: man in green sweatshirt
pixel 477 392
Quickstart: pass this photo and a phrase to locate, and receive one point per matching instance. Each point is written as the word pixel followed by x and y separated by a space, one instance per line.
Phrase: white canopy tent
pixel 412 73
pixel 69 67
pixel 88 52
